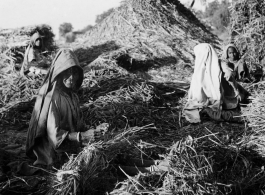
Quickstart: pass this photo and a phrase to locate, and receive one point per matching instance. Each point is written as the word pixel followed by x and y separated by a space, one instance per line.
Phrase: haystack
pixel 150 33
pixel 247 31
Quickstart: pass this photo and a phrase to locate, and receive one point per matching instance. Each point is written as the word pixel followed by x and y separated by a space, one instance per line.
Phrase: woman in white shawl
pixel 212 90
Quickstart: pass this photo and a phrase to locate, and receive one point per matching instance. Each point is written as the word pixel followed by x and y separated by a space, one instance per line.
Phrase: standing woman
pixel 56 124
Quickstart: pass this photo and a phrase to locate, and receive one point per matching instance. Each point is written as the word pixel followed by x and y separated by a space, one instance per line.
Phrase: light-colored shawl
pixel 205 85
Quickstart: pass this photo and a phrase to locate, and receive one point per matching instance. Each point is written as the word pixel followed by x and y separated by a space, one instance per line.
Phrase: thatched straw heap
pixel 247 30
pixel 150 33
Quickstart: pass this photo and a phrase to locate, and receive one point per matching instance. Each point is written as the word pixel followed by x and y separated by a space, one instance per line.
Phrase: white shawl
pixel 205 85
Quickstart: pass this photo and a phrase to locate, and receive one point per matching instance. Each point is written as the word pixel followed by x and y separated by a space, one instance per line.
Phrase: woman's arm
pixel 55 134
pixel 229 73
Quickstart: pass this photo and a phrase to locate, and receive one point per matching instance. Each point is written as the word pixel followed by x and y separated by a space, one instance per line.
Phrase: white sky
pixel 80 13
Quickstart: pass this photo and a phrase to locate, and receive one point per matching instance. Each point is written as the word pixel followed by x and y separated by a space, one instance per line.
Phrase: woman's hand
pixel 94 135
pixel 238 96
pixel 229 75
pixel 103 128
pixel 91 135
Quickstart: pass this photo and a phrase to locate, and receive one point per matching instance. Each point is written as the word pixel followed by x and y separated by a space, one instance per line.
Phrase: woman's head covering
pixel 205 84
pixel 63 60
pixel 225 51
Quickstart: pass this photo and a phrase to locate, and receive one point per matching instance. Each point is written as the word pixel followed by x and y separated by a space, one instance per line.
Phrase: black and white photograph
pixel 132 97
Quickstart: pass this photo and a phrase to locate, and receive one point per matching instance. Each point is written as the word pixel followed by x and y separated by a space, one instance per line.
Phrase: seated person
pixel 56 125
pixel 233 66
pixel 213 89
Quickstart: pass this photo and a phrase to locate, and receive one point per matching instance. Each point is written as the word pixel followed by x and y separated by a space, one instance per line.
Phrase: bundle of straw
pixel 88 172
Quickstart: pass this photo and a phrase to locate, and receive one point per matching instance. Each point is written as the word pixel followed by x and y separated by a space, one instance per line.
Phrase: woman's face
pixel 232 53
pixel 38 42
pixel 70 77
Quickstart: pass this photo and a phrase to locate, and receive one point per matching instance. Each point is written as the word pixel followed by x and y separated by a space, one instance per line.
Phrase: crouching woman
pixel 56 125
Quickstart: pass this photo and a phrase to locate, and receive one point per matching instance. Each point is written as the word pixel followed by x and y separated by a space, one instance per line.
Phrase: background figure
pixel 233 69
pixel 234 66
pixel 33 61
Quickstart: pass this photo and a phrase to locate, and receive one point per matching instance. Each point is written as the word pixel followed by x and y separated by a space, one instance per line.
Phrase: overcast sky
pixel 80 13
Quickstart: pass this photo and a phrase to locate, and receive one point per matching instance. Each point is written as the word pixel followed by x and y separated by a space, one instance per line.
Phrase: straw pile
pixel 17 96
pixel 247 30
pixel 150 33
pixel 216 163
pixel 89 172
pixel 255 116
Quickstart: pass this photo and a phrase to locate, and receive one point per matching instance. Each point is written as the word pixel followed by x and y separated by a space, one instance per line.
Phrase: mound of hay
pixel 247 30
pixel 255 115
pixel 122 100
pixel 150 33
pixel 89 171
pixel 17 98
pixel 202 165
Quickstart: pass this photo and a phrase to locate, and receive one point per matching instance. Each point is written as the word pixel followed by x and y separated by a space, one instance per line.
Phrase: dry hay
pixel 150 33
pixel 17 97
pixel 213 159
pixel 24 185
pixel 218 158
pixel 127 100
pixel 255 116
pixel 247 30
pixel 88 172
pixel 210 164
